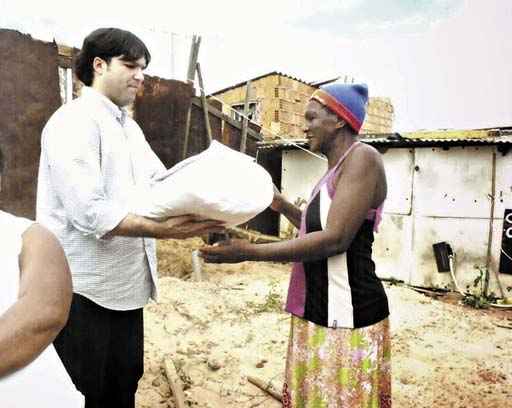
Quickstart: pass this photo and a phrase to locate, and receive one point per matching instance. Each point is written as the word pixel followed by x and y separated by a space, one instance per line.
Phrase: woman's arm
pixel 281 205
pixel 349 208
pixel 42 308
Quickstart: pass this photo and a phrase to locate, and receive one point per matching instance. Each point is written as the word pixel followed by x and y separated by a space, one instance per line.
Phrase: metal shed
pixel 451 186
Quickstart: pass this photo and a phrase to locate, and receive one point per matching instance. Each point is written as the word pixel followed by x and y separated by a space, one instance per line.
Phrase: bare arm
pixel 281 205
pixel 184 226
pixel 347 213
pixel 42 308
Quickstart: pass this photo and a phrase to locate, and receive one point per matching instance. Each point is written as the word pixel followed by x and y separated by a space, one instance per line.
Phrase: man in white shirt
pixel 93 156
pixel 35 295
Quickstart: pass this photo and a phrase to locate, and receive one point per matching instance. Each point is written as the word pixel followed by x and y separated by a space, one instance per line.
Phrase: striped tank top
pixel 342 290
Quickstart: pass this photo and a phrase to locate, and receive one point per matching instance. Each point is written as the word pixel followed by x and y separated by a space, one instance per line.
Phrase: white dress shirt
pixel 93 156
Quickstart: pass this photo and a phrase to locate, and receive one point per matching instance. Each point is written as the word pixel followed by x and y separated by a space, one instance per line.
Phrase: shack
pixel 443 186
pixel 277 102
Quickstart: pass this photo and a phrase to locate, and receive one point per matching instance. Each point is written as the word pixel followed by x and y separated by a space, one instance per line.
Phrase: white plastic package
pixel 219 183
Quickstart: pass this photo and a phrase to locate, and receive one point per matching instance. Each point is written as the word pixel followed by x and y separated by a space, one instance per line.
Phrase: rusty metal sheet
pixel 161 110
pixel 231 136
pixel 29 94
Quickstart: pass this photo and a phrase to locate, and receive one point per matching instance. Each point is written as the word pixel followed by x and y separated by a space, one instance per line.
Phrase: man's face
pixel 120 79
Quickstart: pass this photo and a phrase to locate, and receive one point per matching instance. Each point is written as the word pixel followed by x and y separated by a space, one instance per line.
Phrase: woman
pixel 339 349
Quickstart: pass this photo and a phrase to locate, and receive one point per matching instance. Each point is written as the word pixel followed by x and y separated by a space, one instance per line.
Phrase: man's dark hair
pixel 1 161
pixel 107 43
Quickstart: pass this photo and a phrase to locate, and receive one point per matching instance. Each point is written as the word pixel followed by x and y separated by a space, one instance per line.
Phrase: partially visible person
pixel 93 155
pixel 339 348
pixel 35 295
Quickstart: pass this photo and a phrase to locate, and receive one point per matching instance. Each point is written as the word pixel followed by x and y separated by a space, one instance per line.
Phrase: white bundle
pixel 219 183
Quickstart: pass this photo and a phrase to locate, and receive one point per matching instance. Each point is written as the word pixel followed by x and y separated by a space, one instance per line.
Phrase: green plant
pixel 273 301
pixel 477 298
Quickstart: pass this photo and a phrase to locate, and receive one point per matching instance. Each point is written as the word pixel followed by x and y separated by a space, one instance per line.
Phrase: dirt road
pixel 231 326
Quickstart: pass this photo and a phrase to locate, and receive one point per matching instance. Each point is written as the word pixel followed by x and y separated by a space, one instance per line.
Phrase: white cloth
pixel 219 183
pixel 44 383
pixel 92 157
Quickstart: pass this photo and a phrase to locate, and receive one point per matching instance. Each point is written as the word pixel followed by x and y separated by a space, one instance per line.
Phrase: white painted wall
pixel 300 173
pixel 434 195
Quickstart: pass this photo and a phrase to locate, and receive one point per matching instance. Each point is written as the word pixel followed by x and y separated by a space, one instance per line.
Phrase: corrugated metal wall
pixel 29 94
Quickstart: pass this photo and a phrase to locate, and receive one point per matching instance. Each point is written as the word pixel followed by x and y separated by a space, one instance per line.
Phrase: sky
pixel 445 64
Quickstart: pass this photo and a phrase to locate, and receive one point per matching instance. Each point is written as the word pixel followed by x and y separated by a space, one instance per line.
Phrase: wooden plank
pixel 221 115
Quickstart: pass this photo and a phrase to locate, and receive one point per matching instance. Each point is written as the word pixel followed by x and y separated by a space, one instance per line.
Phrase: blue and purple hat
pixel 348 101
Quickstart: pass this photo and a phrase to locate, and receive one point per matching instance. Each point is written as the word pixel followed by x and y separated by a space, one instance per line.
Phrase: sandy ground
pixel 230 326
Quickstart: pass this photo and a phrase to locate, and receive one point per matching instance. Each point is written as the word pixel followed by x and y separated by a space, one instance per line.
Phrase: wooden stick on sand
pixel 175 383
pixel 266 386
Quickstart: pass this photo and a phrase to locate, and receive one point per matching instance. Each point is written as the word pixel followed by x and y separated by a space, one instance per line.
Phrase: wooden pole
pixel 194 52
pixel 205 104
pixel 489 243
pixel 245 122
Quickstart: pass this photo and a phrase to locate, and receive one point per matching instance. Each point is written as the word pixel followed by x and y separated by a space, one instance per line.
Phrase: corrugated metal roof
pixel 500 136
pixel 259 77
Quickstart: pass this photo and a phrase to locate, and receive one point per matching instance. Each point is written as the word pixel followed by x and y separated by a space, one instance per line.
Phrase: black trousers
pixel 103 352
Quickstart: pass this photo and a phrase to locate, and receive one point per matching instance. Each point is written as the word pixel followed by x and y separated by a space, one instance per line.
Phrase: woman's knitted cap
pixel 348 101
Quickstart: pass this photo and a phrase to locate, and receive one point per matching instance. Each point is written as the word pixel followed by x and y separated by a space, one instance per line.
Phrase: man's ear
pixel 99 65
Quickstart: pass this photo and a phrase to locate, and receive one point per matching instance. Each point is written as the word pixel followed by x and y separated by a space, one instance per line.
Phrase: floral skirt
pixel 328 368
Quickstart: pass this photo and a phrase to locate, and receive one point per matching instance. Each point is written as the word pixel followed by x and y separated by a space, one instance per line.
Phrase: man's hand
pixel 186 226
pixel 180 227
pixel 237 250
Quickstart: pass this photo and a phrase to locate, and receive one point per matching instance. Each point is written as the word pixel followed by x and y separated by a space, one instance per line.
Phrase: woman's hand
pixel 233 251
pixel 278 200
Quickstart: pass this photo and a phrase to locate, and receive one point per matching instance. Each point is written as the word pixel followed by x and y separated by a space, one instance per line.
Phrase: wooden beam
pixel 194 52
pixel 204 103
pixel 221 115
pixel 245 121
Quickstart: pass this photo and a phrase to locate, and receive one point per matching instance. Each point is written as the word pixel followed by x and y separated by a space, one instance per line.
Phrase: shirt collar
pixel 119 113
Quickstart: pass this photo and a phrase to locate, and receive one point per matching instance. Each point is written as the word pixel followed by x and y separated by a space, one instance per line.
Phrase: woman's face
pixel 321 126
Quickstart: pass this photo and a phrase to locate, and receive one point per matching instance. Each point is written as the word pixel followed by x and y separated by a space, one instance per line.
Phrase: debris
pixel 214 365
pixel 503 326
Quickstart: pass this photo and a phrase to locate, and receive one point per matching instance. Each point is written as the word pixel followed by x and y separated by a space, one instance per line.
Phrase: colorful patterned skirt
pixel 328 368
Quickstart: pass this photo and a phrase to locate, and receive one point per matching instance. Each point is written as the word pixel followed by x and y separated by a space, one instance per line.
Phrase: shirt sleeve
pixel 155 165
pixel 72 144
